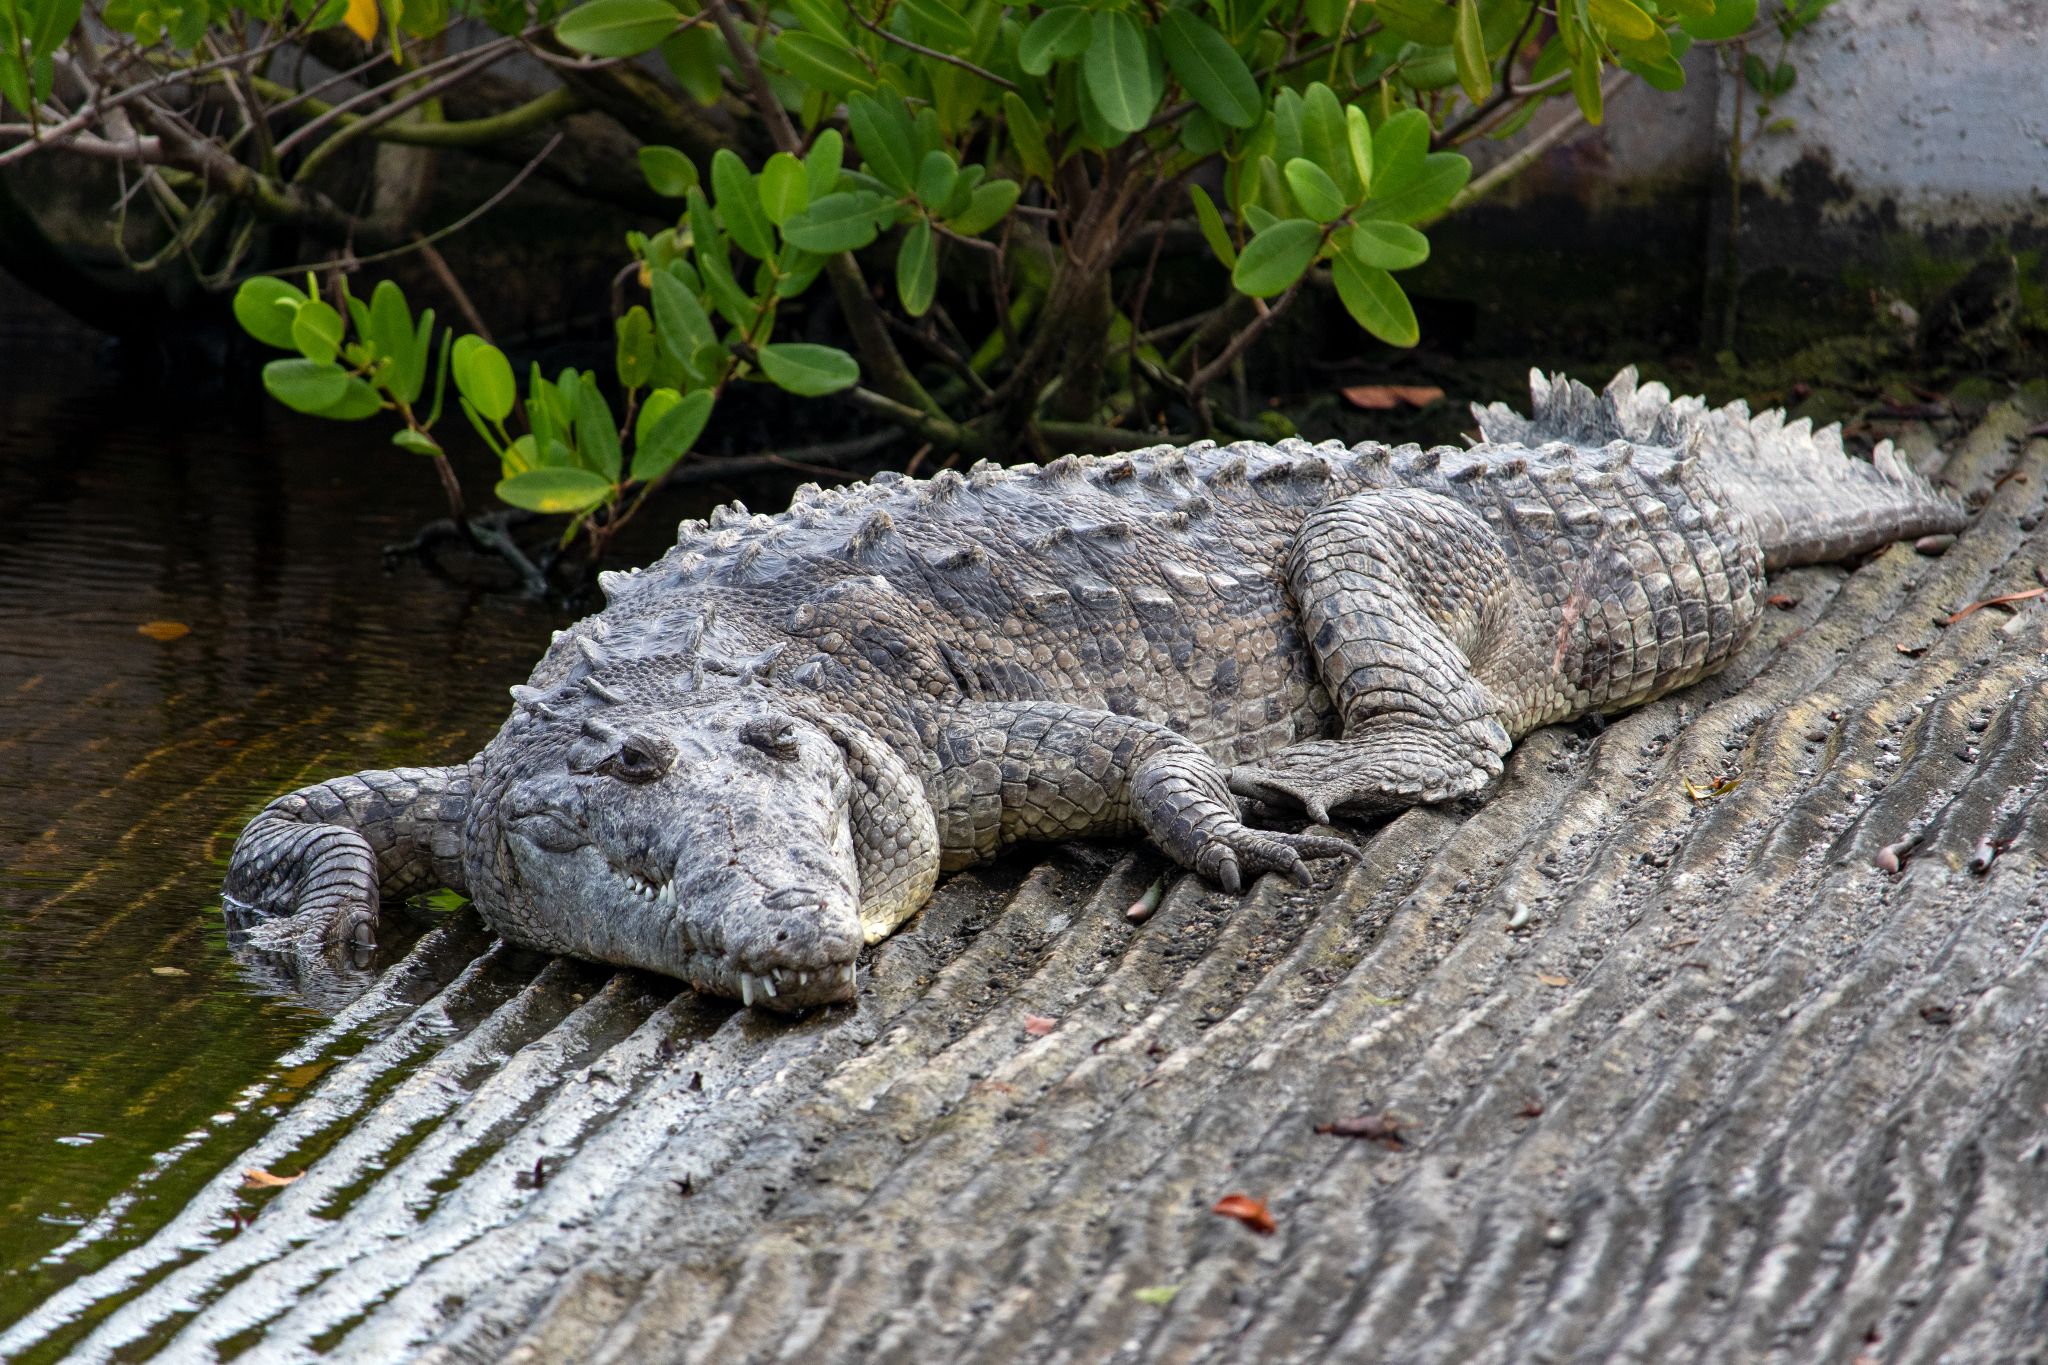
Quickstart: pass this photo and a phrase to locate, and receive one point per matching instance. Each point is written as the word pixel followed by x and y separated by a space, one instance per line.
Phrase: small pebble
pixel 1934 545
pixel 1985 854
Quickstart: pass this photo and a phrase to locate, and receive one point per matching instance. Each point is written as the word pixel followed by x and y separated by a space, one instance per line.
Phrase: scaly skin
pixel 769 745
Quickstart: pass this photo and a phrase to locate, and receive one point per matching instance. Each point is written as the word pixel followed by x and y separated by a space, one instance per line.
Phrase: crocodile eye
pixel 771 735
pixel 636 760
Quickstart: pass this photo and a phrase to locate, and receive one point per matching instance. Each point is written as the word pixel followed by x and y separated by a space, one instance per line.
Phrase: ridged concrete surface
pixel 1728 1093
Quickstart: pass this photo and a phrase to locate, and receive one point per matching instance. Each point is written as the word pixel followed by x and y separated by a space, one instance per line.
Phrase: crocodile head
pixel 708 838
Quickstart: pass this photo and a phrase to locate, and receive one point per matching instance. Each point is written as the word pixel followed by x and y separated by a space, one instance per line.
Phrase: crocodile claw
pixel 1226 860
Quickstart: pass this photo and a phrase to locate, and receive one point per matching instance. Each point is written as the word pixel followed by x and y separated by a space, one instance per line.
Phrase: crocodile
pixel 770 744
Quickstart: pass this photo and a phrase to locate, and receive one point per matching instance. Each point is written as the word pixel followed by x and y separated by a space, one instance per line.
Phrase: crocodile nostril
pixel 793 897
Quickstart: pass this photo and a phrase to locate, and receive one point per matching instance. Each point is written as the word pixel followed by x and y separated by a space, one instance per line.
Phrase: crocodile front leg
pixel 1420 629
pixel 1011 771
pixel 334 850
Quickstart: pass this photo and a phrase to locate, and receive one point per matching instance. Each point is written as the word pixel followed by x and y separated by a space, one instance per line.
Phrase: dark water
pixel 135 1054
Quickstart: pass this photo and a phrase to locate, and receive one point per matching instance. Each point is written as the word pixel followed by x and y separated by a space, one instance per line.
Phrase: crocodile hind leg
pixel 1011 771
pixel 333 851
pixel 1410 607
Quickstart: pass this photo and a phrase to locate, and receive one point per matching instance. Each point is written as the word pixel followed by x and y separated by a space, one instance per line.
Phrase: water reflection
pixel 130 757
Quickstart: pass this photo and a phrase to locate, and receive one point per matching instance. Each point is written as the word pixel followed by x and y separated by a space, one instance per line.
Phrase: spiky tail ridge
pixel 1810 500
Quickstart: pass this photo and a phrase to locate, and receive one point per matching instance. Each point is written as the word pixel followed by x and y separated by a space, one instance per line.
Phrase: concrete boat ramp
pixel 1646 1058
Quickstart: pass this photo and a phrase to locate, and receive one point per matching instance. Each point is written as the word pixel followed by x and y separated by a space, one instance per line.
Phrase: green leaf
pixel 659 443
pixel 883 132
pixel 1730 19
pixel 636 352
pixel 1586 81
pixel 358 400
pixel 822 165
pixel 1358 140
pixel 1325 138
pixel 936 176
pixel 1398 146
pixel 1387 246
pixel 390 335
pixel 1059 34
pixel 692 56
pixel 823 16
pixel 555 490
pixel 985 208
pixel 845 221
pixel 265 306
pixel 809 370
pixel 1423 21
pixel 917 269
pixel 1027 134
pixel 484 377
pixel 1426 194
pixel 305 385
pixel 1314 190
pixel 946 29
pixel 739 205
pixel 1375 302
pixel 785 188
pixel 1621 19
pixel 669 173
pixel 317 331
pixel 418 442
pixel 1203 61
pixel 617 28
pixel 1212 227
pixel 597 431
pixel 1118 65
pixel 680 320
pixel 1276 257
pixel 828 63
pixel 1468 48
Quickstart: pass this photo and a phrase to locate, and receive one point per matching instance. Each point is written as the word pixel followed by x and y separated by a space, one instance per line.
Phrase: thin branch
pixel 1263 316
pixel 1566 128
pixel 440 233
pixel 921 50
pixel 94 109
pixel 466 63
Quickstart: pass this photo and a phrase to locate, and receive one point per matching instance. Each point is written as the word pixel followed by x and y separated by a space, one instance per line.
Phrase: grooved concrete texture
pixel 1728 1093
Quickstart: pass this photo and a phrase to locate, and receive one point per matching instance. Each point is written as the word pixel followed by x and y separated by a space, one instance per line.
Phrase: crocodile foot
pixel 1367 774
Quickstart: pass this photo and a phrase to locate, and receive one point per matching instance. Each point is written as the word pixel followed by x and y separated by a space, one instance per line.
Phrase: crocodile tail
pixel 1810 500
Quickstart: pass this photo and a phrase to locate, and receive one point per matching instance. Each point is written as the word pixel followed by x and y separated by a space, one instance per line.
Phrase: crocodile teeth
pixel 746 989
pixel 768 984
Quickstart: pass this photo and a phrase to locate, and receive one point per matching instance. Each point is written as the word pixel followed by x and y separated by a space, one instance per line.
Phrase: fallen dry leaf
pixel 1251 1212
pixel 1911 651
pixel 256 1178
pixel 1158 1295
pixel 1783 601
pixel 164 630
pixel 1384 1129
pixel 1547 979
pixel 1038 1025
pixel 168 971
pixel 1997 601
pixel 1380 397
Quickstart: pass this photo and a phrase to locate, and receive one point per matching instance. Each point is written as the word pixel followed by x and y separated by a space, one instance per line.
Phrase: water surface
pixel 135 1053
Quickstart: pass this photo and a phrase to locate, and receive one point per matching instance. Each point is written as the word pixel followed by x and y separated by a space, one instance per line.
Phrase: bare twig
pixel 921 50
pixel 438 234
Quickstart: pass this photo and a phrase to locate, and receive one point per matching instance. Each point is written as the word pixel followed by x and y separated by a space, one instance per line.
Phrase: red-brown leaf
pixel 1251 1212
pixel 1038 1025
pixel 1381 397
